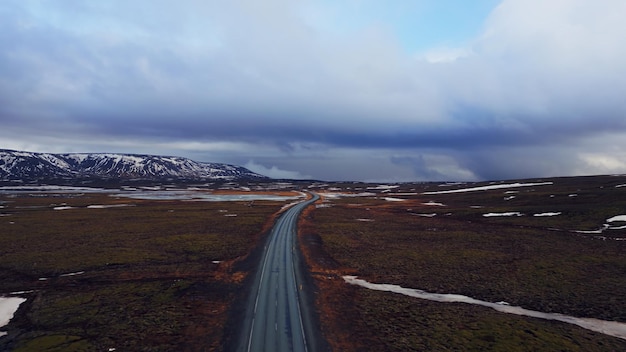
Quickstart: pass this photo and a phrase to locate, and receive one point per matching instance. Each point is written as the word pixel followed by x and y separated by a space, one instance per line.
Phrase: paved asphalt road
pixel 275 319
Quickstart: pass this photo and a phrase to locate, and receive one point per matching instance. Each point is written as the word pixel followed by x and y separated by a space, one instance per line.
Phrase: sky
pixel 362 90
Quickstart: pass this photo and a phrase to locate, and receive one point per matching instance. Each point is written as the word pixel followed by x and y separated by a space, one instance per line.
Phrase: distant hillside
pixel 27 166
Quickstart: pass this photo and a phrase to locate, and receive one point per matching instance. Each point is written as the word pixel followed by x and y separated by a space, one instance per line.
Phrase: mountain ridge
pixel 35 166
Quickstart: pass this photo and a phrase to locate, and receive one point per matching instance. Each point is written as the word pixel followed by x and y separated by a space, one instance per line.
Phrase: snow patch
pixel 326 205
pixel 383 187
pixel 72 274
pixel 49 188
pixel 511 213
pixel 490 187
pixel 391 199
pixel 433 203
pixel 200 196
pixel 611 328
pixel 617 218
pixel 333 195
pixel 8 307
pixel 548 214
pixel 105 206
pixel 599 231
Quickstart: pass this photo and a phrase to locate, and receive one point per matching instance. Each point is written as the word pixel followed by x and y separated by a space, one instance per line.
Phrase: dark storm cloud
pixel 266 83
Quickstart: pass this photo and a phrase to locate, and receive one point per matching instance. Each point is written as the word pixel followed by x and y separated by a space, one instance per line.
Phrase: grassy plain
pixel 537 262
pixel 145 276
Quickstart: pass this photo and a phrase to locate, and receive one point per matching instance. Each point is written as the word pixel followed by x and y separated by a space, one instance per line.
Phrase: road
pixel 276 319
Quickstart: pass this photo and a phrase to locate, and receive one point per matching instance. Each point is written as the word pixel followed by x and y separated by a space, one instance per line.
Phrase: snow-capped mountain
pixel 19 165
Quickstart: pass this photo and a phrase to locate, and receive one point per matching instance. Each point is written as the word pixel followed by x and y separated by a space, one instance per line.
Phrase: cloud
pixel 434 167
pixel 275 172
pixel 444 54
pixel 286 85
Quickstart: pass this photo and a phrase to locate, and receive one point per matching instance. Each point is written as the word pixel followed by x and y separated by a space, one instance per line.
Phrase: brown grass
pixel 518 260
pixel 149 283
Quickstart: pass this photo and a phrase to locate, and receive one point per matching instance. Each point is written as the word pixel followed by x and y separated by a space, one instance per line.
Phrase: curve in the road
pixel 274 319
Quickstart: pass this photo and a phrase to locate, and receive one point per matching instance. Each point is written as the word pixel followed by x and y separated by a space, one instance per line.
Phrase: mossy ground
pixel 158 275
pixel 534 262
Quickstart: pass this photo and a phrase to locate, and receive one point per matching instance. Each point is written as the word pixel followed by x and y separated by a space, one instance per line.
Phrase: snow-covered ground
pixel 547 214
pixel 105 206
pixel 8 307
pixel 54 189
pixel 72 274
pixel 63 275
pixel 433 203
pixel 383 187
pixel 616 218
pixel 511 213
pixel 490 187
pixel 610 328
pixel 392 199
pixel 335 195
pixel 201 196
pixel 608 226
pixel 95 206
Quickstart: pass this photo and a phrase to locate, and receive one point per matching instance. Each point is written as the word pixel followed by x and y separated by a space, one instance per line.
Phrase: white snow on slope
pixel 8 307
pixel 490 187
pixel 611 328
pixel 547 214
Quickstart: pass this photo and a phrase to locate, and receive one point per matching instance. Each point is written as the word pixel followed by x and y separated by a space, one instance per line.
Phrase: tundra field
pixel 103 272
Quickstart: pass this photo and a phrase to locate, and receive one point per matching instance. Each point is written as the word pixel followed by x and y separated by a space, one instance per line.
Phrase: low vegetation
pixel 144 276
pixel 159 275
pixel 538 263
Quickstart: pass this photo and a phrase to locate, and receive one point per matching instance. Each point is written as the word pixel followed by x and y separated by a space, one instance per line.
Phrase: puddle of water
pixel 611 328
